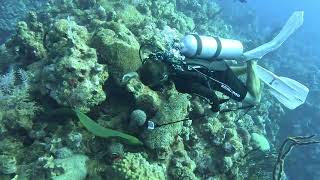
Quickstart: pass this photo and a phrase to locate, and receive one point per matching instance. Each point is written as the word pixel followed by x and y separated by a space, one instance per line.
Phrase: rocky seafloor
pixel 74 54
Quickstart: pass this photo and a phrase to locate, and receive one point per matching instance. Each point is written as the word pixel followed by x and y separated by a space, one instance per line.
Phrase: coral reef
pixel 118 48
pixel 72 75
pixel 208 12
pixel 116 150
pixel 137 117
pixel 74 140
pixel 17 109
pixel 8 164
pixel 13 11
pixel 28 41
pixel 163 109
pixel 260 142
pixel 135 166
pixel 181 166
pixel 62 55
pixel 73 167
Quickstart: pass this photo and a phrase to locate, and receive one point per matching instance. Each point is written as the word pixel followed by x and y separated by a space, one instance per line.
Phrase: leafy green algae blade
pixel 100 131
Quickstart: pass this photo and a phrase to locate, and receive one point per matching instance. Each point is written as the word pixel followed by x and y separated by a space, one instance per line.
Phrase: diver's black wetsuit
pixel 198 81
pixel 194 80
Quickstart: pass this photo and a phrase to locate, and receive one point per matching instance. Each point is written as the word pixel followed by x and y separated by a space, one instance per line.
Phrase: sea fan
pixel 7 82
pixel 16 106
pixel 14 82
pixel 24 77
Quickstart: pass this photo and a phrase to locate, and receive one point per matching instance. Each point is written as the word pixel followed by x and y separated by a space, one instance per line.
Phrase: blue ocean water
pixel 278 11
pixel 298 58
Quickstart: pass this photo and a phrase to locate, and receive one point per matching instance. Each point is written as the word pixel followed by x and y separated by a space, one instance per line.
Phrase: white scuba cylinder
pixel 206 47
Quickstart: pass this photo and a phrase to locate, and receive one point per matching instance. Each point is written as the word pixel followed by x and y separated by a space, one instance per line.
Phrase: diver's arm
pixel 253 84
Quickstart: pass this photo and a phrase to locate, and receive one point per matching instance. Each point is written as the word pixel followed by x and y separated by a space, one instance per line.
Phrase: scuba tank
pixel 206 47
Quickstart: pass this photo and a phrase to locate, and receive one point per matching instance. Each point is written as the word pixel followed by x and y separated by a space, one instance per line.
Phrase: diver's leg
pixel 193 87
pixel 253 84
pixel 239 70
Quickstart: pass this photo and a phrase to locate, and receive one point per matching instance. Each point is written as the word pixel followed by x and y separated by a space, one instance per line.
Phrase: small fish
pixel 243 1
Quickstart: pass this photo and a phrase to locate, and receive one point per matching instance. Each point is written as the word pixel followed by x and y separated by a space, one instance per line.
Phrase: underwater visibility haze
pixel 159 89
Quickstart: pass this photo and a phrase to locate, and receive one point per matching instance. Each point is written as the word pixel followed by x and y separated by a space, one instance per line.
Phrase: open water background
pixel 299 59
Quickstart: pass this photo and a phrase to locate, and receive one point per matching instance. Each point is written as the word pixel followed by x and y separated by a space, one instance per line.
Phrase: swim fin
pixel 288 91
pixel 293 23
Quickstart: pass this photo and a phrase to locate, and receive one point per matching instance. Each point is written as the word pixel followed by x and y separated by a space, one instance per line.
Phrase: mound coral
pixel 118 48
pixel 28 41
pixel 260 142
pixel 135 166
pixel 72 76
pixel 71 168
pixel 165 107
pixel 181 166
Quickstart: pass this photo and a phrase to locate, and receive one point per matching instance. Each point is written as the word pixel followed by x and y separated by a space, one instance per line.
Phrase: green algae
pixel 100 131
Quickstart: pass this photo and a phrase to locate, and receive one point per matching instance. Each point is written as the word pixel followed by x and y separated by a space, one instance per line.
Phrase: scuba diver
pixel 199 65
